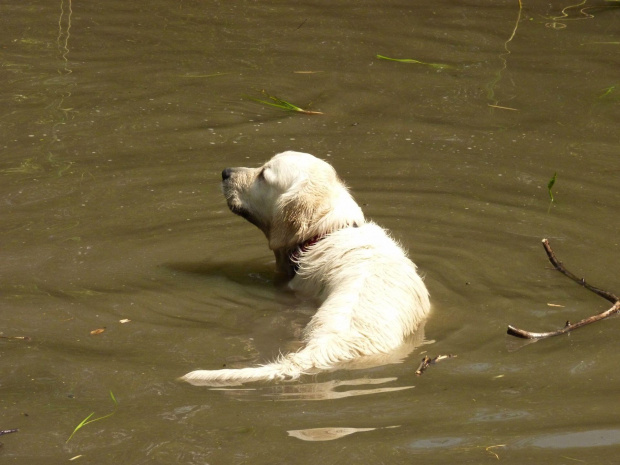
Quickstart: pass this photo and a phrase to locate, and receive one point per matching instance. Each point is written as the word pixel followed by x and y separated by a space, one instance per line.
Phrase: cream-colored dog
pixel 371 296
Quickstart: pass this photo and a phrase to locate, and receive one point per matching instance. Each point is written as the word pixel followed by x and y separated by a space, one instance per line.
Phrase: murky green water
pixel 117 120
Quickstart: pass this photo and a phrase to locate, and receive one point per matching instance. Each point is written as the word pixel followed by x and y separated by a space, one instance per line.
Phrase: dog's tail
pixel 311 359
pixel 283 369
pixel 234 377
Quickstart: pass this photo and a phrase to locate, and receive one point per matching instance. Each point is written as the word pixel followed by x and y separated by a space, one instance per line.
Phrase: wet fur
pixel 372 297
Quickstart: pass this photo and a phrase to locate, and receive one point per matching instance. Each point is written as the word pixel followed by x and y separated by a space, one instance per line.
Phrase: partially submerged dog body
pixel 371 296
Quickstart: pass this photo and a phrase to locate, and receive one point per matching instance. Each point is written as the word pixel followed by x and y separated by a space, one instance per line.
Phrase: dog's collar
pixel 304 246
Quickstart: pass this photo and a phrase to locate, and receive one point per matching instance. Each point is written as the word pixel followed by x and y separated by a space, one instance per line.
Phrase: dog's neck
pixel 287 259
pixel 309 243
pixel 295 253
pixel 303 247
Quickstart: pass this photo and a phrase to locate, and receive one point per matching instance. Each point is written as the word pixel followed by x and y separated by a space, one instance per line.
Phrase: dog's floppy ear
pixel 313 207
pixel 296 213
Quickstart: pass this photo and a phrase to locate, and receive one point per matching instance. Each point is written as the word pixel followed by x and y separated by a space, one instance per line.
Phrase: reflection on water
pixel 436 443
pixel 563 440
pixel 571 440
pixel 327 390
pixel 328 434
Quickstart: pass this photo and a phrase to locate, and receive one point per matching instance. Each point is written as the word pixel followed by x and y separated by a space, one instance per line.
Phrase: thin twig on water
pixel 427 361
pixel 568 327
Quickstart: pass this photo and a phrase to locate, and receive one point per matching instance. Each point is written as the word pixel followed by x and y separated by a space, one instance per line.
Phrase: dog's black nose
pixel 226 173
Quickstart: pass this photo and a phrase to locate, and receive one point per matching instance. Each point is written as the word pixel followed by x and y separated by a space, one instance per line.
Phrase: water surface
pixel 118 118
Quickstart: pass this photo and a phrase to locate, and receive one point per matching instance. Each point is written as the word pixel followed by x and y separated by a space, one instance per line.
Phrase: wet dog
pixel 371 296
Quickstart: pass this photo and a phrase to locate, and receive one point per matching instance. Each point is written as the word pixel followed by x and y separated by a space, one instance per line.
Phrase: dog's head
pixel 292 198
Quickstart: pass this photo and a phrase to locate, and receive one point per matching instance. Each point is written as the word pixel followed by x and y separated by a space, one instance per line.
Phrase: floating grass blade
pixel 87 420
pixel 417 62
pixel 82 423
pixel 608 91
pixel 550 185
pixel 277 102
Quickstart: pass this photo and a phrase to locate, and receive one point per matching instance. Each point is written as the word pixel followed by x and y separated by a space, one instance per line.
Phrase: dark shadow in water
pixel 249 273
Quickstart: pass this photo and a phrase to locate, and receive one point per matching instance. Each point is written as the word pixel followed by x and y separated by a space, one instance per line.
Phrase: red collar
pixel 309 243
pixel 303 247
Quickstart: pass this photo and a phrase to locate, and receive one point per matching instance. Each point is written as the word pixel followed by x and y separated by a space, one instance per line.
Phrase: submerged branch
pixel 427 361
pixel 581 281
pixel 568 327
